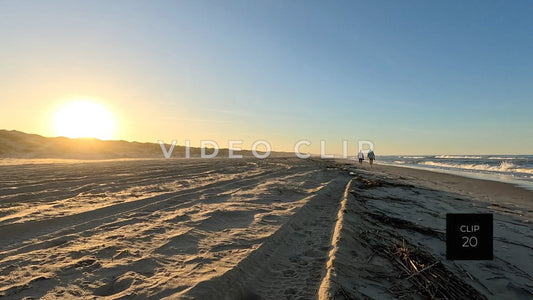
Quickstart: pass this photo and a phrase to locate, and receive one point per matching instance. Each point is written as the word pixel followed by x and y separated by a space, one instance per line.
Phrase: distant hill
pixel 16 144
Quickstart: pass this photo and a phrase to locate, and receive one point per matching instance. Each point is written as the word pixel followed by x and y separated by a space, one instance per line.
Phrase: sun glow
pixel 84 118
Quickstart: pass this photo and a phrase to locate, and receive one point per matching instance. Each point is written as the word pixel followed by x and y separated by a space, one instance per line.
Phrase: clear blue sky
pixel 415 77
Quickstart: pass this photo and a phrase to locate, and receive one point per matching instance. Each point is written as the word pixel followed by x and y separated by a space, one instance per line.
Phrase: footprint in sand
pixel 116 286
pixel 185 243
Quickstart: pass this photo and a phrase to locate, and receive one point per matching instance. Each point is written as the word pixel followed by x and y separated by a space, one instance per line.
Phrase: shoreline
pixel 485 190
pixel 473 175
pixel 510 179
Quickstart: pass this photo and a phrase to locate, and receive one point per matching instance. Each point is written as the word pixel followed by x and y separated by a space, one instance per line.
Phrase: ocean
pixel 515 169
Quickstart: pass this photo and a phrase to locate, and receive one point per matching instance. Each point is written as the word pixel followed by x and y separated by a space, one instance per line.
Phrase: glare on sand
pixel 84 118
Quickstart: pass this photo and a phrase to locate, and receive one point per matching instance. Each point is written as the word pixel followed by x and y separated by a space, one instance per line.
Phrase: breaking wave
pixel 458 157
pixel 504 167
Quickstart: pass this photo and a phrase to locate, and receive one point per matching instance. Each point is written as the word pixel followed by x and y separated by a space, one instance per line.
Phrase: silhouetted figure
pixel 371 157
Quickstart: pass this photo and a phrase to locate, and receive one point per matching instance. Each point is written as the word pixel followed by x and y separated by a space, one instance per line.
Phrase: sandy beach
pixel 280 228
pixel 266 150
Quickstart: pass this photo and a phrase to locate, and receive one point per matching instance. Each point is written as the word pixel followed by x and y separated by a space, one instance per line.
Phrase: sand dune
pixel 244 229
pixel 15 145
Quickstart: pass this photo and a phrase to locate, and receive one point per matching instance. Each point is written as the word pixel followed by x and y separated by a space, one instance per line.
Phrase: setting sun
pixel 84 118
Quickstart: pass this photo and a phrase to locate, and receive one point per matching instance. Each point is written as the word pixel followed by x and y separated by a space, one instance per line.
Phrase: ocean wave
pixel 501 158
pixel 504 167
pixel 415 157
pixel 399 162
pixel 524 170
pixel 458 157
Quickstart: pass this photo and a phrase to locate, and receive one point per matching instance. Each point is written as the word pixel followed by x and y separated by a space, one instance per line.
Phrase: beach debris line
pixel 419 270
pixel 415 270
pixel 428 274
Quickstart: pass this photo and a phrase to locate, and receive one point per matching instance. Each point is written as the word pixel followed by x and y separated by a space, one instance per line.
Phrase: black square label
pixel 469 236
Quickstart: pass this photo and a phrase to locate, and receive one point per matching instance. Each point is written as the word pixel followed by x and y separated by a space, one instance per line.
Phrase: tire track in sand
pixel 13 234
pixel 289 262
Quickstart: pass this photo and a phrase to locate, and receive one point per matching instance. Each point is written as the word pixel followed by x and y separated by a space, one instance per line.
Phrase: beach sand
pixel 252 229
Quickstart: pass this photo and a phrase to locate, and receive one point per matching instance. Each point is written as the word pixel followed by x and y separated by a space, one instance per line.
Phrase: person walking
pixel 371 156
pixel 361 157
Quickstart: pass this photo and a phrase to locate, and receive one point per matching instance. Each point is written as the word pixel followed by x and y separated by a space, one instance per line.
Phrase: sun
pixel 84 118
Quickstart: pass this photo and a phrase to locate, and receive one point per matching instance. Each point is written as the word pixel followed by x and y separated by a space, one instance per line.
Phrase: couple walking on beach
pixel 371 157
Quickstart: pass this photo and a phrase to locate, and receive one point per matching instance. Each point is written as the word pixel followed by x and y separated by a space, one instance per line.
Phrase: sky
pixel 413 77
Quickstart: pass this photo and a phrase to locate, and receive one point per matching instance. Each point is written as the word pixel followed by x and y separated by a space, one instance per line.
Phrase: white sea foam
pixel 504 167
pixel 524 170
pixel 458 157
